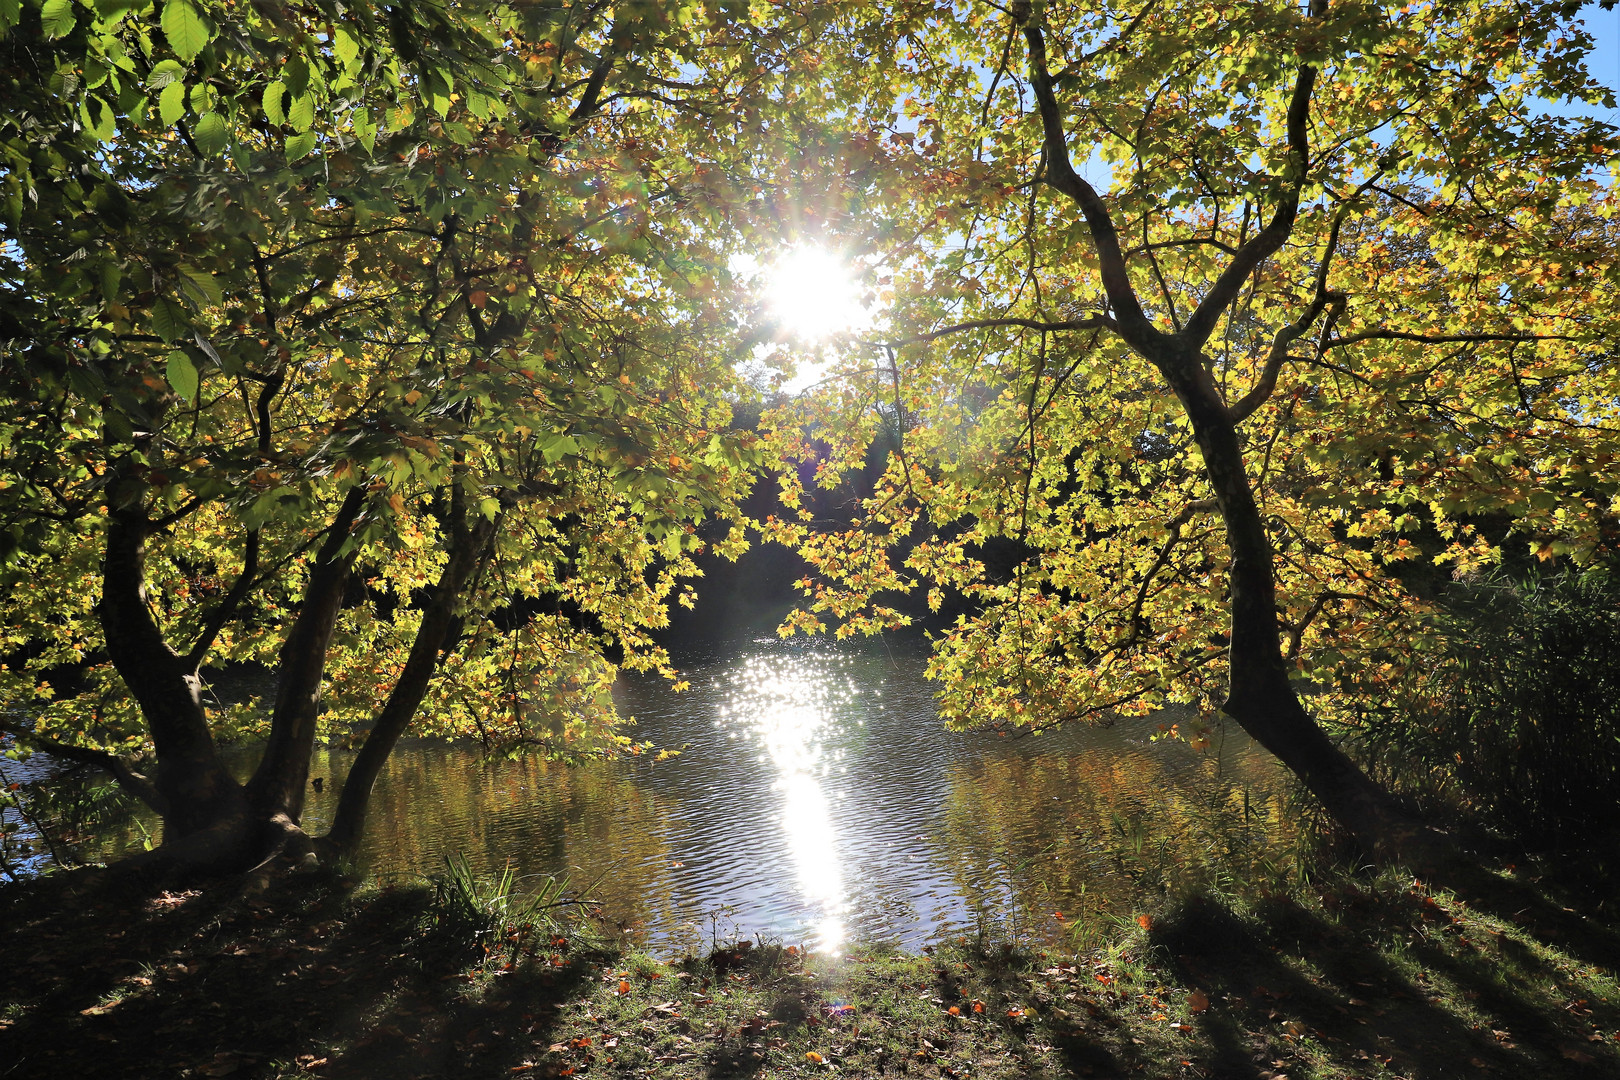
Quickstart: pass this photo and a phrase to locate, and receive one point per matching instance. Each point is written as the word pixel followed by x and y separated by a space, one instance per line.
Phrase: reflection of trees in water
pixel 586 821
pixel 1095 834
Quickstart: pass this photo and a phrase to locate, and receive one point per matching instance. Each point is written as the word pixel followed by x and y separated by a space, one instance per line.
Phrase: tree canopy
pixel 395 348
pixel 386 347
pixel 1242 328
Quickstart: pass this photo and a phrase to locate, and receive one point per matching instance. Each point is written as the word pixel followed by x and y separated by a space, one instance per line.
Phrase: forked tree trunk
pixel 1261 697
pixel 210 821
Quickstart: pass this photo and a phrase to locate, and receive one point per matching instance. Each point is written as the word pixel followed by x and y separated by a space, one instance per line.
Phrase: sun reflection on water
pixel 789 707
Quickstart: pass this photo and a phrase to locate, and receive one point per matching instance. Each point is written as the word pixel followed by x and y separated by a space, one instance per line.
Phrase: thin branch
pixel 1265 242
pixel 226 609
pixel 1436 339
pixel 1198 506
pixel 135 783
pixel 1093 321
pixel 184 510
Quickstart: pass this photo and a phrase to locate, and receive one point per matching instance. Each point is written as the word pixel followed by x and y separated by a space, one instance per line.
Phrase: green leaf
pixel 302 114
pixel 182 375
pixel 364 129
pixel 10 12
pixel 489 507
pixel 164 73
pixel 57 18
pixel 296 75
pixel 300 144
pixel 274 96
pixel 172 103
pixel 210 134
pixel 204 286
pixel 169 320
pixel 346 46
pixel 556 448
pixel 188 32
pixel 99 118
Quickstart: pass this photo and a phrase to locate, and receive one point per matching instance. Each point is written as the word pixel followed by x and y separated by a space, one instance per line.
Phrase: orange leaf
pixel 478 299
pixel 1197 1001
pixel 624 986
pixel 815 1057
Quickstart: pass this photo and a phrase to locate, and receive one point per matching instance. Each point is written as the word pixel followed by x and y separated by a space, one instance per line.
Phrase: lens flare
pixel 812 293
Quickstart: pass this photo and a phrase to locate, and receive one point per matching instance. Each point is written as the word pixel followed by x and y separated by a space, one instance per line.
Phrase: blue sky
pixel 1605 59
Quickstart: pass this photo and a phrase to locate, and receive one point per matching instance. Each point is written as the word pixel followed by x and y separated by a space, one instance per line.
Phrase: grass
pixel 1505 974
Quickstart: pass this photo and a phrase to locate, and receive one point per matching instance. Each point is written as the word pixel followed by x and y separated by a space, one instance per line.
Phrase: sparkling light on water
pixel 788 709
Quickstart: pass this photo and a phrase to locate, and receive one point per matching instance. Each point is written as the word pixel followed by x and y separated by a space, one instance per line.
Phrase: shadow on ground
pixel 1494 975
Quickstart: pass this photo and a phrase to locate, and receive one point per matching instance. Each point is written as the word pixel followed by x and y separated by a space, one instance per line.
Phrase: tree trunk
pixel 196 788
pixel 438 628
pixel 277 787
pixel 1260 696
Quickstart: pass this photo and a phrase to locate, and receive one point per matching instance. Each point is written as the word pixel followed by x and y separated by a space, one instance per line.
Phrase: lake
pixel 819 800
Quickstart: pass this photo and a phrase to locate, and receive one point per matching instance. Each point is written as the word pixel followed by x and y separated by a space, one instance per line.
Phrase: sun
pixel 812 294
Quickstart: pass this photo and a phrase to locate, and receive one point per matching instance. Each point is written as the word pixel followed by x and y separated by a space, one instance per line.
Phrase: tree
pixel 1241 326
pixel 382 346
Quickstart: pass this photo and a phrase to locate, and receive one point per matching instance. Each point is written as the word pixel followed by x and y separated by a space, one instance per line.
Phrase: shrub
pixel 1522 721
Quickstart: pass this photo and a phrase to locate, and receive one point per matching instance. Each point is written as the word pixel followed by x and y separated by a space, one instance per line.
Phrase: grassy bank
pixel 1508 974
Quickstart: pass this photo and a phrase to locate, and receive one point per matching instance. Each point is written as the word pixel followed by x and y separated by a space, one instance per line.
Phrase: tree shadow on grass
pixel 106 978
pixel 1368 989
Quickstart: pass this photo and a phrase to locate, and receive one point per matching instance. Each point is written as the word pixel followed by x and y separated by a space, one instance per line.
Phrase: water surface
pixel 819 799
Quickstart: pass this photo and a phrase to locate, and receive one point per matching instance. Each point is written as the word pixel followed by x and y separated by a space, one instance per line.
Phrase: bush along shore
pixel 1508 974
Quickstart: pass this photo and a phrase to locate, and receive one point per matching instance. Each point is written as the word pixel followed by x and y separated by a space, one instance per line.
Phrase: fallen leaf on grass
pixel 1197 1001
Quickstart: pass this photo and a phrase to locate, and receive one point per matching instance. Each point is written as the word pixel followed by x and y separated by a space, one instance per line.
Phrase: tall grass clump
pixel 1522 724
pixel 478 907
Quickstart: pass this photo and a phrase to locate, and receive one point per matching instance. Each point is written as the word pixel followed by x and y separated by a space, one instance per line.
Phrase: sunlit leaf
pixel 57 18
pixel 211 133
pixel 185 28
pixel 182 375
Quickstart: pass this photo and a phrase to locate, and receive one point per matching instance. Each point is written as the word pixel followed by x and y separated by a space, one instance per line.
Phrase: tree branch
pixel 223 613
pixel 1060 175
pixel 135 783
pixel 1094 321
pixel 1435 339
pixel 1174 524
pixel 1265 242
